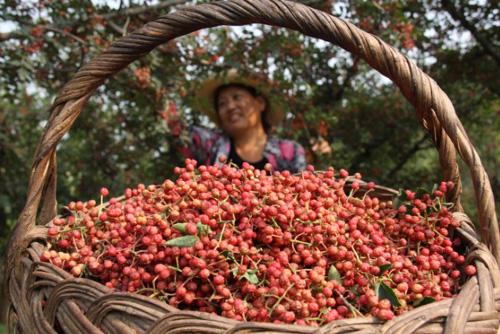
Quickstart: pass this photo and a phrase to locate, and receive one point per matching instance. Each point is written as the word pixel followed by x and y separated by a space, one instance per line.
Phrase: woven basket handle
pixel 434 109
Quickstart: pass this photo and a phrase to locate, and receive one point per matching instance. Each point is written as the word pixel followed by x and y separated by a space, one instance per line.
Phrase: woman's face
pixel 239 110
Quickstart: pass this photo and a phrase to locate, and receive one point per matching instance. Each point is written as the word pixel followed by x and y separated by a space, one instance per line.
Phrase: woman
pixel 245 110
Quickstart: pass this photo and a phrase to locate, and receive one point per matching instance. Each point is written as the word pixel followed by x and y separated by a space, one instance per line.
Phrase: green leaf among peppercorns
pixel 385 292
pixel 334 275
pixel 251 276
pixel 423 301
pixel 185 241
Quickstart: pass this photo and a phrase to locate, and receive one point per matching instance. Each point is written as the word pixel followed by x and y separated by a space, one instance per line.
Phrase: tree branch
pixel 4 36
pixel 411 152
pixel 353 70
pixel 143 9
pixel 65 33
pixel 460 17
pixel 18 35
pixel 332 97
pixel 116 28
pixel 367 150
pixel 125 12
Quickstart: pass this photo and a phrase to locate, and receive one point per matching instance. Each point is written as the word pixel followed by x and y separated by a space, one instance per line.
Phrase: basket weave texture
pixel 45 299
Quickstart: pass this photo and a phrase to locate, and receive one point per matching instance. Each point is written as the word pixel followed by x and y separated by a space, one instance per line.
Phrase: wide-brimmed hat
pixel 205 94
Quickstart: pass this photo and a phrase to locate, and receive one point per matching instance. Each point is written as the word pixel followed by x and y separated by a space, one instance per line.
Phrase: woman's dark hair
pixel 254 93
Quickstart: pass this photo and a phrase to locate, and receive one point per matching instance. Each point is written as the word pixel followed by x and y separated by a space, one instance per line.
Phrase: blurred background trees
pixel 122 139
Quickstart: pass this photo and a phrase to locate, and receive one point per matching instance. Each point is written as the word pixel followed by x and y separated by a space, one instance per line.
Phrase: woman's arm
pixel 298 162
pixel 193 141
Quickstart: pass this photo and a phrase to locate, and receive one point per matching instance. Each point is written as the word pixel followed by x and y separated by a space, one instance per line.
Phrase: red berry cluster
pixel 258 245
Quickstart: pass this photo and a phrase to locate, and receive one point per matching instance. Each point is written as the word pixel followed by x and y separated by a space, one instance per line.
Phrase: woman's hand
pixel 172 118
pixel 175 126
pixel 320 146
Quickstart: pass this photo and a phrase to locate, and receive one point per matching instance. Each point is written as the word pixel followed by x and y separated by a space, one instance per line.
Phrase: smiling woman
pixel 240 111
pixel 246 111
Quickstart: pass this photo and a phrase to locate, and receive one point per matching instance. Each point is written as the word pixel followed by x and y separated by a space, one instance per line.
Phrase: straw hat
pixel 204 95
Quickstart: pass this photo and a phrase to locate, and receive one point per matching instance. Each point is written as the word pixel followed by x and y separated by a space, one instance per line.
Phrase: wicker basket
pixel 45 299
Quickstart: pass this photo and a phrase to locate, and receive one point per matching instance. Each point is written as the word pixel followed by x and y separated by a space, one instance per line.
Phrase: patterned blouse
pixel 206 146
